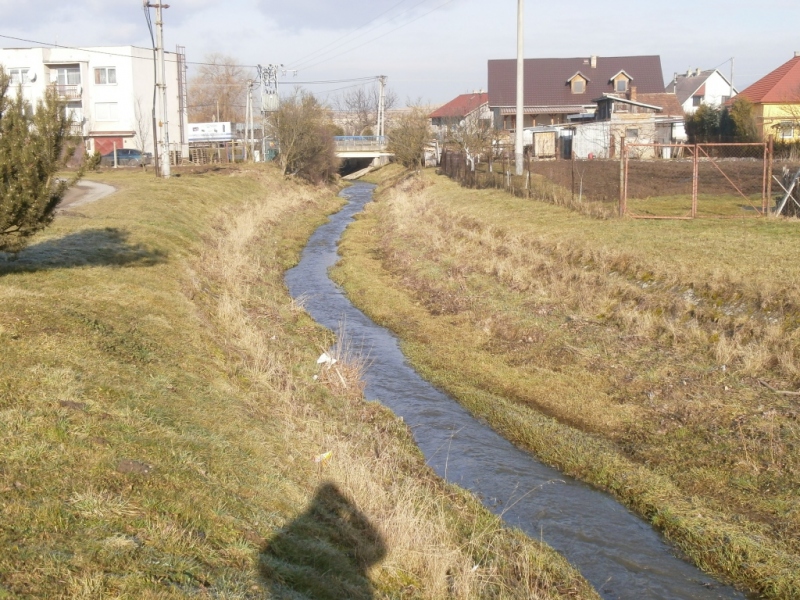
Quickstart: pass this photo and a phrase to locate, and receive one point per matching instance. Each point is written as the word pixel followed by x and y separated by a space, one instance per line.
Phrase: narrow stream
pixel 620 554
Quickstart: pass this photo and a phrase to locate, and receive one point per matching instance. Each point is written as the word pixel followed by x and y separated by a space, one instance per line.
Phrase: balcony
pixel 68 92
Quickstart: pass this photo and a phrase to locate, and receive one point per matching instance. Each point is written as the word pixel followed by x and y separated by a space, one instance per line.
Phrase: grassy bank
pixel 164 434
pixel 644 357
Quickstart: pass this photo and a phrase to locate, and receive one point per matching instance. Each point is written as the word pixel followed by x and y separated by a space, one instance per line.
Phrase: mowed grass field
pixel 658 360
pixel 165 431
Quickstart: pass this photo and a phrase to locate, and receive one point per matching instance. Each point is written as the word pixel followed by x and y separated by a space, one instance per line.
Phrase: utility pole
pixel 270 100
pixel 161 84
pixel 247 119
pixel 731 77
pixel 520 124
pixel 381 128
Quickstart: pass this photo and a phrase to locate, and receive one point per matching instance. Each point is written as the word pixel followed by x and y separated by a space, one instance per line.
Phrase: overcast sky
pixel 431 50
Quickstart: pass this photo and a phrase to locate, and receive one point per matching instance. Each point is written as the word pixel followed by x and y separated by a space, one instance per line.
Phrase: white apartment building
pixel 109 92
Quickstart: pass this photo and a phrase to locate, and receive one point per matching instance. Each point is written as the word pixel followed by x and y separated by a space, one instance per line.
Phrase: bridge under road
pixel 359 152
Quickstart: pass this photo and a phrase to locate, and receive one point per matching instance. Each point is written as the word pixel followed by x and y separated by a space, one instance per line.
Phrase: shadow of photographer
pixel 325 552
pixel 88 247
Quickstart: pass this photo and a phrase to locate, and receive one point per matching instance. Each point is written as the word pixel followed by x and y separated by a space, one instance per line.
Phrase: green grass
pixel 628 353
pixel 160 416
pixel 728 205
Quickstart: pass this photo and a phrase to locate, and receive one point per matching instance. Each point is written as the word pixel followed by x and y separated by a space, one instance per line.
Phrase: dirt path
pixel 84 192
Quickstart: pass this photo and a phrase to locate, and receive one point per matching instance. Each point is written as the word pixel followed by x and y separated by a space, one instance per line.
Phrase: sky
pixel 430 50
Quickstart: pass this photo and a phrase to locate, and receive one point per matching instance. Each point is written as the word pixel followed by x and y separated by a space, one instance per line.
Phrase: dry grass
pixel 160 419
pixel 649 337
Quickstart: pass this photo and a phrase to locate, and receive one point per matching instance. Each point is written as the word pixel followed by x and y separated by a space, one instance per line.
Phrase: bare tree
pixel 409 135
pixel 304 132
pixel 142 125
pixel 218 92
pixel 358 109
pixel 472 136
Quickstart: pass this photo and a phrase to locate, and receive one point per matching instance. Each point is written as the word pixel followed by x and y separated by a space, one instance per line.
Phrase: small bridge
pixel 361 146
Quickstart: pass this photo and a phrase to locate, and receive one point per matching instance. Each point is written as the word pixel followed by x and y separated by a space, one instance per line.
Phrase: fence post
pixel 623 193
pixel 770 165
pixel 572 164
pixel 695 172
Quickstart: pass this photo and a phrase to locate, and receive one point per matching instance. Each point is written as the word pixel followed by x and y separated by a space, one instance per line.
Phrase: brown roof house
pixel 562 90
pixel 465 109
pixel 696 87
pixel 776 97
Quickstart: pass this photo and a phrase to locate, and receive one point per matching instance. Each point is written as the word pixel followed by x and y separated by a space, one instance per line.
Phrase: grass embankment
pixel 160 418
pixel 632 354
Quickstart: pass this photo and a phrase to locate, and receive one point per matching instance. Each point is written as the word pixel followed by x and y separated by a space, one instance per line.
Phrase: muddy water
pixel 621 555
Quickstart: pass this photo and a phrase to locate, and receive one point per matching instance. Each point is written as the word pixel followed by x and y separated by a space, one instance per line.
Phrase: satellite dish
pixel 31 75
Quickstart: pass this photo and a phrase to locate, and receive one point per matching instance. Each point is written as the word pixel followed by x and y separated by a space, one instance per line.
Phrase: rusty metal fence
pixel 686 181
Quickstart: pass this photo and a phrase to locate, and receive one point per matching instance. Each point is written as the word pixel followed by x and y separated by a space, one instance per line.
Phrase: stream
pixel 621 555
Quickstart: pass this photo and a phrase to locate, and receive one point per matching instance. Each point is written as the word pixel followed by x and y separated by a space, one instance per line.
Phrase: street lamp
pixel 518 158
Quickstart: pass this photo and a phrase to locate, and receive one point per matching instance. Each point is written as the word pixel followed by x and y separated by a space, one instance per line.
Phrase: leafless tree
pixel 472 136
pixel 218 91
pixel 409 135
pixel 358 109
pixel 304 132
pixel 142 124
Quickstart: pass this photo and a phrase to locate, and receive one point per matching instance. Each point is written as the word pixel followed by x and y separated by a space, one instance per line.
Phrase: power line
pixel 381 35
pixel 318 51
pixel 108 53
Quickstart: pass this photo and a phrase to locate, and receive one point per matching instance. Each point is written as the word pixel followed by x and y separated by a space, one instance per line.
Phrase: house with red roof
pixel 465 109
pixel 776 97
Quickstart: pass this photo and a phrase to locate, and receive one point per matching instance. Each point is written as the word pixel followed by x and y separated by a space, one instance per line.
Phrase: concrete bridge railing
pixel 360 143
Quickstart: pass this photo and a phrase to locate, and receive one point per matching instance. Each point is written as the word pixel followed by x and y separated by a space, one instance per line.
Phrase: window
pixel 105 76
pixel 787 130
pixel 68 76
pixel 106 111
pixel 578 86
pixel 18 76
pixel 622 85
pixel 631 134
pixel 697 100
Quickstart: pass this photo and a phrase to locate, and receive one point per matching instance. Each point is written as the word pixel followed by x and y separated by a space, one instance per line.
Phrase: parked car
pixel 127 157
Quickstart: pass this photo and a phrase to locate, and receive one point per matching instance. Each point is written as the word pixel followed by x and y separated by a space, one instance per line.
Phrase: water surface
pixel 619 553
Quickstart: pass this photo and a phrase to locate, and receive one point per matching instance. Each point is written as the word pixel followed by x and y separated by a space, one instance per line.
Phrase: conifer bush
pixel 34 146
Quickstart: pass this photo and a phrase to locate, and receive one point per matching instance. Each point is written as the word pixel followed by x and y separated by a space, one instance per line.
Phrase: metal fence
pixel 656 181
pixel 685 181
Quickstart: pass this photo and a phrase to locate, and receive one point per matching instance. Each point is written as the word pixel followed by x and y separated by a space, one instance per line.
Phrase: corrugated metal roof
pixel 544 110
pixel 546 79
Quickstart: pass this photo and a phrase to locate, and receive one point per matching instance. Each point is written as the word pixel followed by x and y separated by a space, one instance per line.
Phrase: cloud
pixel 326 14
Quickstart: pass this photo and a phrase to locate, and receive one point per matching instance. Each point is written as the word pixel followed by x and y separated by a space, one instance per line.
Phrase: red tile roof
pixel 780 86
pixel 461 106
pixel 546 79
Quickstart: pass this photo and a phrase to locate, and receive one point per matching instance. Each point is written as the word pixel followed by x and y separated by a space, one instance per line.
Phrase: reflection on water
pixel 621 555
